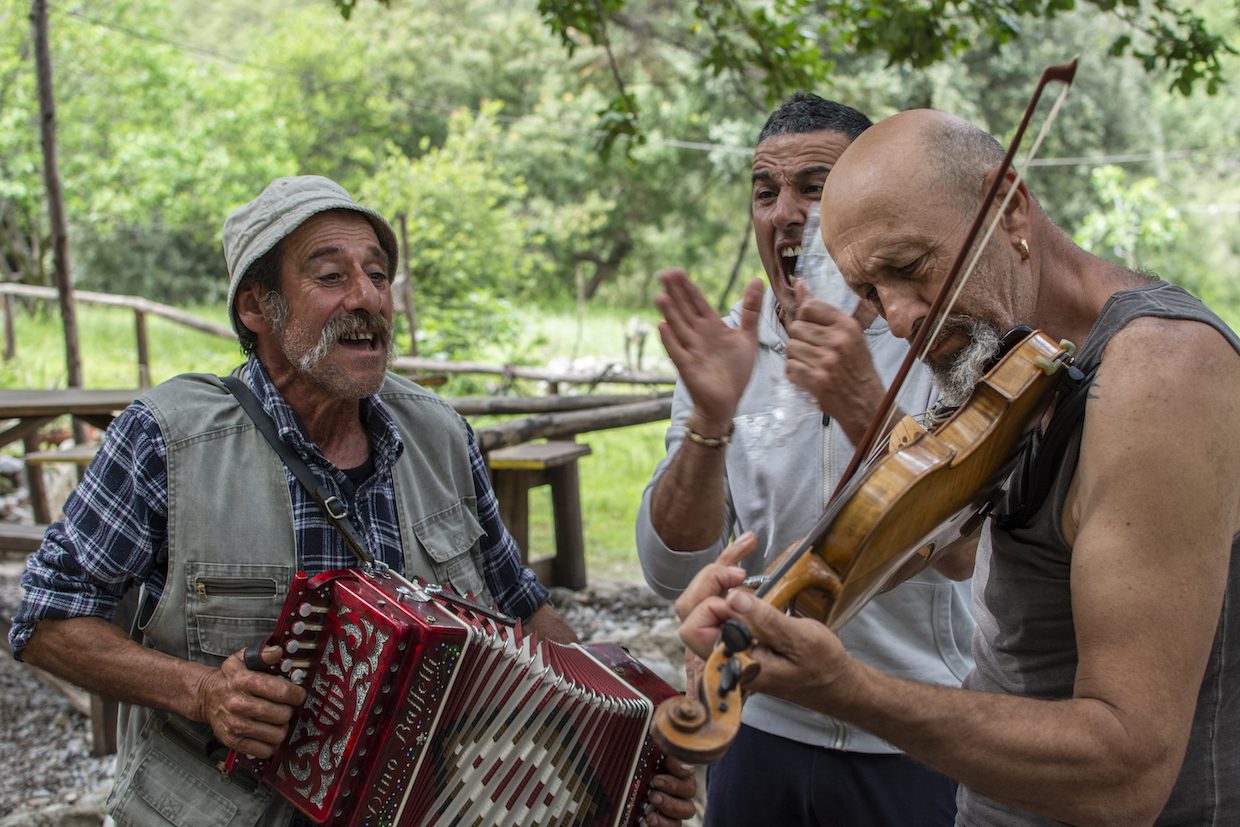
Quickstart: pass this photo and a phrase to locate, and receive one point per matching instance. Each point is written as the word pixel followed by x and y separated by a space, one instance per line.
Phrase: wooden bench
pixel 520 468
pixel 79 455
pixel 18 540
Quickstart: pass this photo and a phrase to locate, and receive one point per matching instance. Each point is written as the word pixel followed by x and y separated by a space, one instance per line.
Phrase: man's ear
pixel 1015 225
pixel 250 309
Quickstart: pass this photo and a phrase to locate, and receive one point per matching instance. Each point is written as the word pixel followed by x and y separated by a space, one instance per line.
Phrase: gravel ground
pixel 51 779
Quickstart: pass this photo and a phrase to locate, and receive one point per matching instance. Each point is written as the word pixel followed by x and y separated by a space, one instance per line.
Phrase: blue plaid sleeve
pixel 515 587
pixel 112 536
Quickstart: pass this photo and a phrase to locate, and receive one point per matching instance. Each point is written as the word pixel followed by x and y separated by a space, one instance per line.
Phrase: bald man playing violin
pixel 1107 681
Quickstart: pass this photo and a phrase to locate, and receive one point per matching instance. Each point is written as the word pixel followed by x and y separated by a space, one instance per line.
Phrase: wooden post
pixel 55 204
pixel 35 484
pixel 144 350
pixel 55 200
pixel 407 284
pixel 10 335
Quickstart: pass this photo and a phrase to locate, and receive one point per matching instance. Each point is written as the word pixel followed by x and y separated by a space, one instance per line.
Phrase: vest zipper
pixel 206 587
pixel 827 464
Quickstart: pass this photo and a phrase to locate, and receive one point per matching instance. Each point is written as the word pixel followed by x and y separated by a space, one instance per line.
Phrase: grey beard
pixel 343 326
pixel 957 379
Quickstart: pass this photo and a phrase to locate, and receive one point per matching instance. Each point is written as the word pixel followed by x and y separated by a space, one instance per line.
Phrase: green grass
pixel 612 477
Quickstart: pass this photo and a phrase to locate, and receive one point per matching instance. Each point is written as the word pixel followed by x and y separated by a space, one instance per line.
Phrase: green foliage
pixel 1133 218
pixel 467 239
pixel 152 144
pixel 785 45
pixel 173 112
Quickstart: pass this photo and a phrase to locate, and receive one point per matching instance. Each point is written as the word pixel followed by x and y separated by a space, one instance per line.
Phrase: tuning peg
pixel 736 637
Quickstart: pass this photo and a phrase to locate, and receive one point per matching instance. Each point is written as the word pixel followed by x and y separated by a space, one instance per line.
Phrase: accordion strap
pixel 335 509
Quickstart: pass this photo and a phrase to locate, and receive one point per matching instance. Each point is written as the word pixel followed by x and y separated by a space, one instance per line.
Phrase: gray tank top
pixel 1025 642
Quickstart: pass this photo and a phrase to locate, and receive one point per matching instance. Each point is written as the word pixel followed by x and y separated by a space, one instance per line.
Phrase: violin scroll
pixel 700 730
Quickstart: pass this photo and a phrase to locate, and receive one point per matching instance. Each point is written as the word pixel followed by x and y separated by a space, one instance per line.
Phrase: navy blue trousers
pixel 767 780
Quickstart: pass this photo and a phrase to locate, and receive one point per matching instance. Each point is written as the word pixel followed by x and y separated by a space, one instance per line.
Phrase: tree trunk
pixel 722 305
pixel 55 202
pixel 605 268
pixel 406 280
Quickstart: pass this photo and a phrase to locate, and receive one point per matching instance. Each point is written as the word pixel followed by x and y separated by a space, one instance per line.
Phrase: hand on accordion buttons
pixel 671 798
pixel 249 711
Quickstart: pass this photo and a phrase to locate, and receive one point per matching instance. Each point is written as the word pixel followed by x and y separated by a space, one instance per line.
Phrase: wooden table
pixel 27 411
pixel 516 470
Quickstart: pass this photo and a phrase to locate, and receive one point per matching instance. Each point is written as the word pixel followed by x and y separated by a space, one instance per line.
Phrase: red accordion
pixel 425 708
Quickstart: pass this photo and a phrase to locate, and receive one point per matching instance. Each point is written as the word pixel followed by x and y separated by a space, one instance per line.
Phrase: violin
pixel 932 489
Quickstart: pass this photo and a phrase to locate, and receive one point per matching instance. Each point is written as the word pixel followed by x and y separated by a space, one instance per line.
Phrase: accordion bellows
pixel 423 709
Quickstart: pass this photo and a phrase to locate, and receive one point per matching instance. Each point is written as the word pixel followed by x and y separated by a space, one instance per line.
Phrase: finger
pixel 259 745
pixel 739 549
pixel 261 686
pixel 700 628
pixel 770 625
pixel 683 322
pixel 671 343
pixel 751 307
pixel 714 580
pixel 668 809
pixel 259 656
pixel 674 786
pixel 673 314
pixel 693 673
pixel 811 309
pixel 692 300
pixel 250 747
pixel 680 769
pixel 653 818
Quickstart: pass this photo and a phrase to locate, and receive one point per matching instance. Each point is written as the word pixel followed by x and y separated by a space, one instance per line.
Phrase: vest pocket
pixel 229 606
pixel 449 536
pixel 170 780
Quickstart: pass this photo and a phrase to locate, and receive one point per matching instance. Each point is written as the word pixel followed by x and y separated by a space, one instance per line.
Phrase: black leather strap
pixel 335 509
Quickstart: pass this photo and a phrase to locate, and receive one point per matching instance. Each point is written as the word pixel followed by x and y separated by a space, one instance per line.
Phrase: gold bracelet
pixel 708 441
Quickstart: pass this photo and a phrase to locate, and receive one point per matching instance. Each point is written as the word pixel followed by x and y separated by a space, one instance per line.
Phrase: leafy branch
pixel 778 46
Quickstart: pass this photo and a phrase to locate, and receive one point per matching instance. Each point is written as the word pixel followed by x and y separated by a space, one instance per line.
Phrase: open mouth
pixel 788 258
pixel 359 340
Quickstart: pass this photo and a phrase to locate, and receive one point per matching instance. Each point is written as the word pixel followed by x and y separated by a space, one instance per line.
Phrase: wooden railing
pixel 611 373
pixel 141 308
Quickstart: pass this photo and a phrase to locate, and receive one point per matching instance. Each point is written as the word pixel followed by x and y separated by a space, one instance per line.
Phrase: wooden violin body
pixel 915 499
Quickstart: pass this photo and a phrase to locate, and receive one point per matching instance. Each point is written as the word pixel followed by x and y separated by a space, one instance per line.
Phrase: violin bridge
pixel 903 434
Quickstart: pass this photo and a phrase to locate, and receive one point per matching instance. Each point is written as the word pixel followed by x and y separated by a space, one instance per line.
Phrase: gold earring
pixel 1024 250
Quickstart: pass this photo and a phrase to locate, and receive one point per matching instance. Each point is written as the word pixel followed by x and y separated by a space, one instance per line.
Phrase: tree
pixel 781 46
pixel 154 152
pixel 468 244
pixel 1133 218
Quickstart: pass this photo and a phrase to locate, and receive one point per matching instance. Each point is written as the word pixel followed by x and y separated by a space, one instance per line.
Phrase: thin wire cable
pixel 676 143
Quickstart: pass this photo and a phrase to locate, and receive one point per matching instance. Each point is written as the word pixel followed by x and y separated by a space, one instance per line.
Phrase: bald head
pixel 923 155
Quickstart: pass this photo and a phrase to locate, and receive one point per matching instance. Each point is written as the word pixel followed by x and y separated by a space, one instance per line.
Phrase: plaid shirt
pixel 114 534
